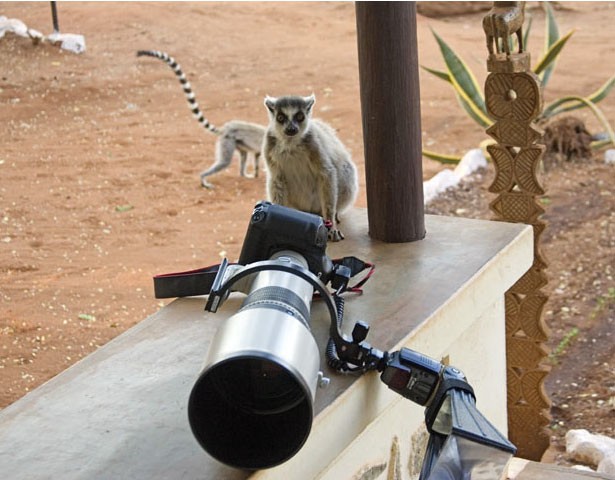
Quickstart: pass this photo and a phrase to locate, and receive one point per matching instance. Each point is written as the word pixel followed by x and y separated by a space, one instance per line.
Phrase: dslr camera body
pixel 274 228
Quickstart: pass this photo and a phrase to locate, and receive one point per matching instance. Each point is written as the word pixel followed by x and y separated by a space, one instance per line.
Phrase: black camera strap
pixel 185 284
pixel 199 282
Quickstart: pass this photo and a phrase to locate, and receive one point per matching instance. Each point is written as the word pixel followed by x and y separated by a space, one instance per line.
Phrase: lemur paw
pixel 335 235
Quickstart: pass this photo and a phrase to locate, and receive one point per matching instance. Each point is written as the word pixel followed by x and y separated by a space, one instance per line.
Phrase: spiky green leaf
pixel 438 73
pixel 551 37
pixel 553 108
pixel 482 120
pixel 603 91
pixel 526 35
pixel 463 79
pixel 551 55
pixel 552 30
pixel 439 157
pixel 598 144
pixel 561 105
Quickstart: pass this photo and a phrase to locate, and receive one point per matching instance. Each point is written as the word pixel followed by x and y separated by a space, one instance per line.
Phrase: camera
pixel 274 228
pixel 252 404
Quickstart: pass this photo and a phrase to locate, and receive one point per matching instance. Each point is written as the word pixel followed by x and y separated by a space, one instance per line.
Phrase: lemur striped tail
pixel 194 106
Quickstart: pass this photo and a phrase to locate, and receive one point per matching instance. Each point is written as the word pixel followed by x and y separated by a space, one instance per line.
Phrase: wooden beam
pixel 390 105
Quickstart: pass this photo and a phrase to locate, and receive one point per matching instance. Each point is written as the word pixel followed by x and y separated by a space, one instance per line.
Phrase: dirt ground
pixel 99 186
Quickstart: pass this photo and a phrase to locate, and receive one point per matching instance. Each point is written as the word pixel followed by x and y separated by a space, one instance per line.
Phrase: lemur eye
pixel 300 117
pixel 281 118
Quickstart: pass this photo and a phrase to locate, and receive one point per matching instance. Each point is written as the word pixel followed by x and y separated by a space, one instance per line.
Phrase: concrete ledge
pixel 121 412
pixel 520 469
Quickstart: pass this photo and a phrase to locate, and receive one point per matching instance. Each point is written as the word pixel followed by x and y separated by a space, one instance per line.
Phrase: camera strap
pixel 185 284
pixel 346 268
pixel 199 282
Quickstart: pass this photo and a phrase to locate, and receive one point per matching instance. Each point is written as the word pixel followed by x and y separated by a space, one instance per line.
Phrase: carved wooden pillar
pixel 514 99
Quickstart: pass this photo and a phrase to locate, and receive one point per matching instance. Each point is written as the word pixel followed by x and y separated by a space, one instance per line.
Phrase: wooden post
pixel 54 18
pixel 390 105
pixel 513 97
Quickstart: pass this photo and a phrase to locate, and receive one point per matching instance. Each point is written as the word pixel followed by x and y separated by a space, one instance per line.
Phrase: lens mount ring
pixel 295 269
pixel 279 298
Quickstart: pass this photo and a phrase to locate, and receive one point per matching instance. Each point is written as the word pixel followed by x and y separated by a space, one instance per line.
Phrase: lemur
pixel 237 135
pixel 308 167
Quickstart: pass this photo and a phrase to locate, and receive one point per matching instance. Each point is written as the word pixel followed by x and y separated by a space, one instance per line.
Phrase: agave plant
pixel 470 95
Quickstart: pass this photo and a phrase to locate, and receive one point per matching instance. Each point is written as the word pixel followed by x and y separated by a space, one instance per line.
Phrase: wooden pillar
pixel 513 96
pixel 390 105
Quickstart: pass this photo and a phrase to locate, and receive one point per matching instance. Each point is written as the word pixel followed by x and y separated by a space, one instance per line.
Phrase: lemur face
pixel 290 115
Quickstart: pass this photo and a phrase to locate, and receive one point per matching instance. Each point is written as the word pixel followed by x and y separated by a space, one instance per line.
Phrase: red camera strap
pixel 356 266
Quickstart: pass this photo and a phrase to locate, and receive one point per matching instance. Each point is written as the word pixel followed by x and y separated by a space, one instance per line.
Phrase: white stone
pixel 12 25
pixel 609 156
pixel 471 161
pixel 35 35
pixel 439 183
pixel 589 448
pixel 582 468
pixel 607 465
pixel 68 41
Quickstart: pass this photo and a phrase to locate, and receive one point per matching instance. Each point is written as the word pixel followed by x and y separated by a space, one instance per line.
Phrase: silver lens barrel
pixel 252 405
pixel 281 290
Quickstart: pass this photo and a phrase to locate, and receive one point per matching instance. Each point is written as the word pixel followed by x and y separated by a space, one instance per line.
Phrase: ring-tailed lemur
pixel 308 167
pixel 237 135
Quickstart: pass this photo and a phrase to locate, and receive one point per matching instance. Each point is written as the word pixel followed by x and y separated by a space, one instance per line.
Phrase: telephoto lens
pixel 252 405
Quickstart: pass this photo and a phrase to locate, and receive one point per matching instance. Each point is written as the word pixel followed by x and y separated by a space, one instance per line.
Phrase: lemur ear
pixel 309 101
pixel 270 103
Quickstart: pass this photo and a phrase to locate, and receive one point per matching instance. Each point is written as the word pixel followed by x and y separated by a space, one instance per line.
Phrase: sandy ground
pixel 99 187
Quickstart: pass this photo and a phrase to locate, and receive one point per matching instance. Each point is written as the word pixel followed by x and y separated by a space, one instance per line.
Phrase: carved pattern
pixel 522 312
pixel 524 387
pixel 516 168
pixel 514 132
pixel 516 207
pixel 530 418
pixel 513 98
pixel 531 280
pixel 524 353
pixel 531 309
